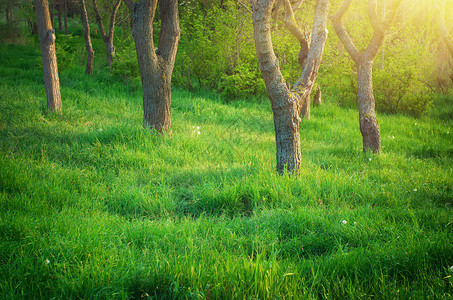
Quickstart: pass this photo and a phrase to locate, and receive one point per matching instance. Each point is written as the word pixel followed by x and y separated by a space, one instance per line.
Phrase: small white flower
pixel 355 223
pixel 47 261
pixel 415 124
pixel 451 268
pixel 100 129
pixel 369 159
pixel 415 190
pixel 198 127
pixel 393 136
pixel 344 222
pixel 198 132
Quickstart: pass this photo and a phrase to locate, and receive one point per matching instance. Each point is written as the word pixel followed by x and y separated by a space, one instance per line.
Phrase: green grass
pixel 93 206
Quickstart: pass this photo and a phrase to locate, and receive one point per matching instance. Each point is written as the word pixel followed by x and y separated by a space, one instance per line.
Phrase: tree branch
pixel 373 16
pixel 391 16
pixel 99 20
pixel 291 23
pixel 245 6
pixel 112 19
pixel 342 33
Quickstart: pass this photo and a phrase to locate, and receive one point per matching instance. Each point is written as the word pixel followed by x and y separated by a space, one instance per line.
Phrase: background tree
pixel 443 28
pixel 107 38
pixel 49 59
pixel 287 103
pixel 369 126
pixel 86 29
pixel 156 66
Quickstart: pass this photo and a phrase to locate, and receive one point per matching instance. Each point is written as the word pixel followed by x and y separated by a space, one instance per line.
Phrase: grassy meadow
pixel 94 206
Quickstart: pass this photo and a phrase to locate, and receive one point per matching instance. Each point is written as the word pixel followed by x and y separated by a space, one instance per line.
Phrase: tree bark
pixel 317 101
pixel 49 59
pixel 369 126
pixel 287 103
pixel 51 6
pixel 107 38
pixel 156 67
pixel 60 26
pixel 88 45
pixel 65 16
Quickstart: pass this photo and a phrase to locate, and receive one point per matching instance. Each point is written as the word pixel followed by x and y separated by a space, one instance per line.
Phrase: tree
pixel 369 126
pixel 108 39
pixel 156 67
pixel 287 102
pixel 88 46
pixel 49 59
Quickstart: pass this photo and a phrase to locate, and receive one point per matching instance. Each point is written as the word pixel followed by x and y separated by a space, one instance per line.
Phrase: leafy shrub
pixel 244 82
pixel 126 64
pixel 70 50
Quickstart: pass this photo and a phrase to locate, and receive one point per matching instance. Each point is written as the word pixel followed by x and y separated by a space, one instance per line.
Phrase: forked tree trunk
pixel 156 68
pixel 107 38
pixel 88 46
pixel 287 103
pixel 369 126
pixel 49 59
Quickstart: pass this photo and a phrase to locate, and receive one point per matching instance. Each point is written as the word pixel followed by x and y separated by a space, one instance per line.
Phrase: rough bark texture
pixel 107 38
pixel 49 59
pixel 88 46
pixel 51 7
pixel 369 126
pixel 156 67
pixel 287 103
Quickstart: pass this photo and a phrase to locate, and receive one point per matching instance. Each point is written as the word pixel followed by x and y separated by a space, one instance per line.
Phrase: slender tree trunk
pixel 156 68
pixel 318 98
pixel 51 7
pixel 49 59
pixel 369 126
pixel 60 25
pixel 65 16
pixel 88 46
pixel 107 38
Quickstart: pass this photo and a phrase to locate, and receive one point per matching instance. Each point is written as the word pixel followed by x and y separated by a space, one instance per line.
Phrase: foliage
pixel 126 64
pixel 70 50
pixel 243 83
pixel 93 206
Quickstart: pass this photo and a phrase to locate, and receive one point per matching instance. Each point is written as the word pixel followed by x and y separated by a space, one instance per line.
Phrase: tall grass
pixel 93 206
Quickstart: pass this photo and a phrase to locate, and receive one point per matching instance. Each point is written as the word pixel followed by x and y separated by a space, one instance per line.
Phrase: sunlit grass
pixel 92 205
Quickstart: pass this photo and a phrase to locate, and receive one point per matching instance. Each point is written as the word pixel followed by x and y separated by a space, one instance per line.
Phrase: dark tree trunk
pixel 107 38
pixel 60 24
pixel 156 68
pixel 49 59
pixel 65 16
pixel 287 103
pixel 318 98
pixel 51 7
pixel 88 46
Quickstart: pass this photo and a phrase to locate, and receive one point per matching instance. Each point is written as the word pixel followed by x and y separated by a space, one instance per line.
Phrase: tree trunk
pixel 51 6
pixel 369 126
pixel 88 46
pixel 107 38
pixel 156 68
pixel 317 101
pixel 287 103
pixel 49 59
pixel 60 25
pixel 65 16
